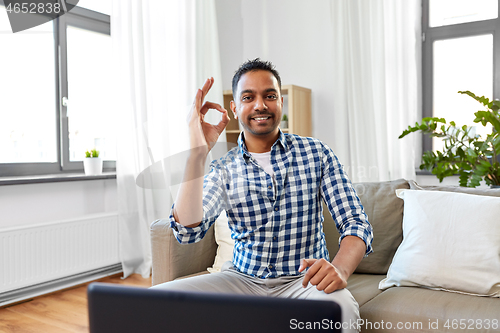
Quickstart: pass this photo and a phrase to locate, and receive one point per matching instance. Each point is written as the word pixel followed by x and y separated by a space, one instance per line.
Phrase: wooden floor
pixel 63 311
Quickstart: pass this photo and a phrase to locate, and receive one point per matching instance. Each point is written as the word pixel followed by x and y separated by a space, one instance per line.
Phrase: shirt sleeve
pixel 213 205
pixel 343 202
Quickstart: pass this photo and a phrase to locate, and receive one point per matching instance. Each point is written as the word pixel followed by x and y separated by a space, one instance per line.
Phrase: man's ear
pixel 233 108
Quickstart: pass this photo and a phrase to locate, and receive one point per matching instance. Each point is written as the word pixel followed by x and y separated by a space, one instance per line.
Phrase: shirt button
pixel 270 266
pixel 274 238
pixel 276 209
pixel 269 187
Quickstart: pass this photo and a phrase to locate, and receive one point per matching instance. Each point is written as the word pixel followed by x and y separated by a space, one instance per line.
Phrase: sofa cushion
pixel 409 305
pixel 225 244
pixel 451 241
pixel 385 213
pixel 364 287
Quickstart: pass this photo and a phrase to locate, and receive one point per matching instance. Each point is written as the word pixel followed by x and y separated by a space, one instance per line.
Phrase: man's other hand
pixel 322 274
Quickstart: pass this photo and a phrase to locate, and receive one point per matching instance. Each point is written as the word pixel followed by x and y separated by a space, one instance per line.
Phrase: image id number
pixel 471 324
pixel 34 8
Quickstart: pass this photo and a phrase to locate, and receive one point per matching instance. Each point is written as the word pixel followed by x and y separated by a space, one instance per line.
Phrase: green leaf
pixel 483 100
pixel 94 153
pixel 463 179
pixel 495 105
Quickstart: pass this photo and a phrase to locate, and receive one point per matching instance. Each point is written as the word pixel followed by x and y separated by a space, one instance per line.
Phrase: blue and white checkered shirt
pixel 275 225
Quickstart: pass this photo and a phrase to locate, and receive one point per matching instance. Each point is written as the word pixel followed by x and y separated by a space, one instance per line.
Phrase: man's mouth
pixel 261 118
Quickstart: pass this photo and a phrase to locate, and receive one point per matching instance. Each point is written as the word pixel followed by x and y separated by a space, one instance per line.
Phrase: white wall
pixel 294 35
pixel 31 204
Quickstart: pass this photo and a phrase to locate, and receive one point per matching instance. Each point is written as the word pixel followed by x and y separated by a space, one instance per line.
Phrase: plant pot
pixel 92 166
pixel 284 124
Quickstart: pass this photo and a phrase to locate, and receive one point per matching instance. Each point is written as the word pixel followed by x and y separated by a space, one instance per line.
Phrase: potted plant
pixel 92 163
pixel 472 157
pixel 284 122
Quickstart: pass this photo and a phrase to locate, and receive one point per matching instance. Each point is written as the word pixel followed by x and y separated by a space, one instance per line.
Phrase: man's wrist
pixel 342 272
pixel 197 157
pixel 198 153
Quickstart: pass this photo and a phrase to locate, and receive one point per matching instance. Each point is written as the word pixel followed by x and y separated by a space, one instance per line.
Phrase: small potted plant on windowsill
pixel 92 163
pixel 469 155
pixel 284 122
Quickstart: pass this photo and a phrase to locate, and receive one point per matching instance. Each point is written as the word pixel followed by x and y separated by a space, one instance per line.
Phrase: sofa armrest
pixel 172 259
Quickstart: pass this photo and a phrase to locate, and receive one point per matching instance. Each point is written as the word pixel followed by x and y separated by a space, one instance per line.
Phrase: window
pixel 55 101
pixel 461 51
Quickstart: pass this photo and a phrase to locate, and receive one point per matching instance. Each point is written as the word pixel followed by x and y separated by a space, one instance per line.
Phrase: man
pixel 271 187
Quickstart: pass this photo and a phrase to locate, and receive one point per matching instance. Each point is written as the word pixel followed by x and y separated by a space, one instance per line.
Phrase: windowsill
pixel 424 173
pixel 54 178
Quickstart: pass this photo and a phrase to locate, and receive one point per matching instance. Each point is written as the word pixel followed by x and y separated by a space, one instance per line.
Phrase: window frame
pixel 85 19
pixel 432 34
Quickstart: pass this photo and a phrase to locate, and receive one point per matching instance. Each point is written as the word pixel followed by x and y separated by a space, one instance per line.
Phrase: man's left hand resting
pixel 323 275
pixel 332 276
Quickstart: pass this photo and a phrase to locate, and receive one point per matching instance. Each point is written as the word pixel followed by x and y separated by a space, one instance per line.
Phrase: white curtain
pixel 163 51
pixel 377 54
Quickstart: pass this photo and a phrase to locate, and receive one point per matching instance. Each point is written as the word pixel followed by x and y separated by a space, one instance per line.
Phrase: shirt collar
pixel 245 154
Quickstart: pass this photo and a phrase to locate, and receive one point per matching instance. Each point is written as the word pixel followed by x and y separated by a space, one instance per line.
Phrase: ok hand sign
pixel 201 133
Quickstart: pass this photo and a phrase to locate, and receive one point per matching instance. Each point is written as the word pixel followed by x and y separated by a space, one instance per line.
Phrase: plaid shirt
pixel 276 224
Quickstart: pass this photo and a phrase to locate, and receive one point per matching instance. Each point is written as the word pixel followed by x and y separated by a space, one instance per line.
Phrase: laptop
pixel 117 308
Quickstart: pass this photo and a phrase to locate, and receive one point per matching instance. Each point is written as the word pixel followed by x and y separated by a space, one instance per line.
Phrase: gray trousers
pixel 229 280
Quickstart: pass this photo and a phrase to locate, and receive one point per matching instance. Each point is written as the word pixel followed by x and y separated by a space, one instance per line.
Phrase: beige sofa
pixel 412 309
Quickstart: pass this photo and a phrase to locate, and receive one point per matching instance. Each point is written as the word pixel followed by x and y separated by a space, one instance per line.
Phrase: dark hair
pixel 254 65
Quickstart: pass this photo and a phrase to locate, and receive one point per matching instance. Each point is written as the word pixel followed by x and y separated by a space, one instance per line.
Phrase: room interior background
pixel 359 58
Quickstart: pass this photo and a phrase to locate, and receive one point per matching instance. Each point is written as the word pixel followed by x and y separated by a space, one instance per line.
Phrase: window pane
pixel 446 12
pixel 27 86
pixel 459 66
pixel 102 6
pixel 91 119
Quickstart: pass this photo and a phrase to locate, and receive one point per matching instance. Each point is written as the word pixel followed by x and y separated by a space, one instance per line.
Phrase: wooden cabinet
pixel 296 105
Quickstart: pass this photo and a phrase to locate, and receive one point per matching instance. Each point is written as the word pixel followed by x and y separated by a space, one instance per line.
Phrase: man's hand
pixel 201 133
pixel 188 209
pixel 322 274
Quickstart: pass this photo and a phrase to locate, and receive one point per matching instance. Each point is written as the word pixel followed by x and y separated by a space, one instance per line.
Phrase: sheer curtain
pixel 163 51
pixel 376 50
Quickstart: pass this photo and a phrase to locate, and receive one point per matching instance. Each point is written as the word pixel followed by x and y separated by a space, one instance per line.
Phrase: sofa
pixel 396 290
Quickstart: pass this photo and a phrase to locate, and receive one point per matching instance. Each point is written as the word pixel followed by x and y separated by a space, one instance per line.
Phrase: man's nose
pixel 260 104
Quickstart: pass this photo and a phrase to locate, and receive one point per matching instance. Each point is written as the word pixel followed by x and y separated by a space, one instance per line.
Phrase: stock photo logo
pixel 25 15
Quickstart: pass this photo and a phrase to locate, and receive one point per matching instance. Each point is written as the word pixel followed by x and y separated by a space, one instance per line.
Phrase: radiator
pixel 35 255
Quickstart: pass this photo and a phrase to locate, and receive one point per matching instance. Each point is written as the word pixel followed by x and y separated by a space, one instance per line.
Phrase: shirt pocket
pixel 303 202
pixel 302 191
pixel 244 191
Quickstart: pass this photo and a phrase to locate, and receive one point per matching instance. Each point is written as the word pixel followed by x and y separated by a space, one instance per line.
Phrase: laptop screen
pixel 116 308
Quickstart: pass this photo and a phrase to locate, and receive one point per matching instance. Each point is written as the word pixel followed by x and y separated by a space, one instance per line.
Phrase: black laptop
pixel 116 308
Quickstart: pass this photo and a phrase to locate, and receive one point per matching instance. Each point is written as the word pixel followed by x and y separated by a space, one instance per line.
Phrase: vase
pixel 284 124
pixel 92 166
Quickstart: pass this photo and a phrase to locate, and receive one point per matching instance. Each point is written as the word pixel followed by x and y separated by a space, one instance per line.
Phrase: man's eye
pixel 271 96
pixel 245 98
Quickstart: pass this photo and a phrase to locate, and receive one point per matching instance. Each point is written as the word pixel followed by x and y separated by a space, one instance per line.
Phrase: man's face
pixel 258 104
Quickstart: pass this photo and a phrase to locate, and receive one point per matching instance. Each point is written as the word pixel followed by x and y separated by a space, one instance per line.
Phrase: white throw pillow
pixel 225 242
pixel 451 241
